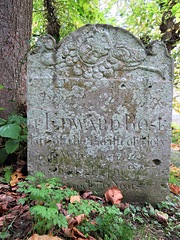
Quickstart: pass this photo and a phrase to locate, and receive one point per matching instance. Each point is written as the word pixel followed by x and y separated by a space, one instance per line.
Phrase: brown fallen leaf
pixel 75 198
pixel 73 222
pixel 161 217
pixel 16 177
pixel 43 237
pixel 113 195
pixel 175 189
pixel 91 238
pixel 73 233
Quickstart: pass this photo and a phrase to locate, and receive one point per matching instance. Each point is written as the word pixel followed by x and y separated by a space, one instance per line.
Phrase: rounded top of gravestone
pixel 100 51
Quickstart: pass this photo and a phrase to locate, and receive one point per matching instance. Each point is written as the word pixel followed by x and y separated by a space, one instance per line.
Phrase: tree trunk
pixel 15 33
pixel 169 28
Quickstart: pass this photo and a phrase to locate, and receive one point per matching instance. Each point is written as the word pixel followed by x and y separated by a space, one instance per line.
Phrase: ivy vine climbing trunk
pixel 15 25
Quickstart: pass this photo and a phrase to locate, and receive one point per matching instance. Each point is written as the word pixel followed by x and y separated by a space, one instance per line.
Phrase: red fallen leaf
pixel 75 198
pixel 175 189
pixel 21 163
pixel 3 207
pixel 86 194
pixel 5 198
pixel 16 208
pixel 59 205
pixel 13 194
pixel 123 206
pixel 27 215
pixel 113 195
pixel 20 209
pixel 9 217
pixel 37 202
pixel 173 145
pixel 67 199
pixel 18 197
pixel 4 186
pixel 96 198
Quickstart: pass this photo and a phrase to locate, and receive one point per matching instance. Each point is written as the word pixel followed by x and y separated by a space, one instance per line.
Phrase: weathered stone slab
pixel 99 112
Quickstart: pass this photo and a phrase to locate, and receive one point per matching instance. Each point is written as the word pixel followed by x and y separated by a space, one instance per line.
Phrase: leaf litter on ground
pixel 19 215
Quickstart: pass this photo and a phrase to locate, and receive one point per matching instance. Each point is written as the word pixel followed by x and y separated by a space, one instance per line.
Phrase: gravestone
pixel 99 112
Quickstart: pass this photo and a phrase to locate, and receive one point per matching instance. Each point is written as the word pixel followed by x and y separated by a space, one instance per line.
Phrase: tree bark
pixel 15 33
pixel 53 23
pixel 169 28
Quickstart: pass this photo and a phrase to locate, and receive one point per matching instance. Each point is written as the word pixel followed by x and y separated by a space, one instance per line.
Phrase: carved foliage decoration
pixel 97 51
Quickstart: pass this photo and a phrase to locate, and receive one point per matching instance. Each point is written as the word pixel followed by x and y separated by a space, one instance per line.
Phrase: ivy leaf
pixel 127 211
pixel 11 145
pixel 10 131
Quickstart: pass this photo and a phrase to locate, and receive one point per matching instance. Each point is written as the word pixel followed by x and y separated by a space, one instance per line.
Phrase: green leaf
pixel 2 121
pixel 12 145
pixel 10 131
pixel 25 131
pixel 138 208
pixel 4 235
pixel 3 155
pixel 24 138
pixel 3 180
pixel 22 201
pixel 39 175
pixel 152 211
pixel 126 211
pixel 144 209
pixel 93 227
pixel 7 175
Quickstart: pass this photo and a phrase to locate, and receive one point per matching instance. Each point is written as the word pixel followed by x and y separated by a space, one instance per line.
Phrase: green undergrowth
pixel 175 133
pixel 133 221
pixel 13 136
pixel 173 179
